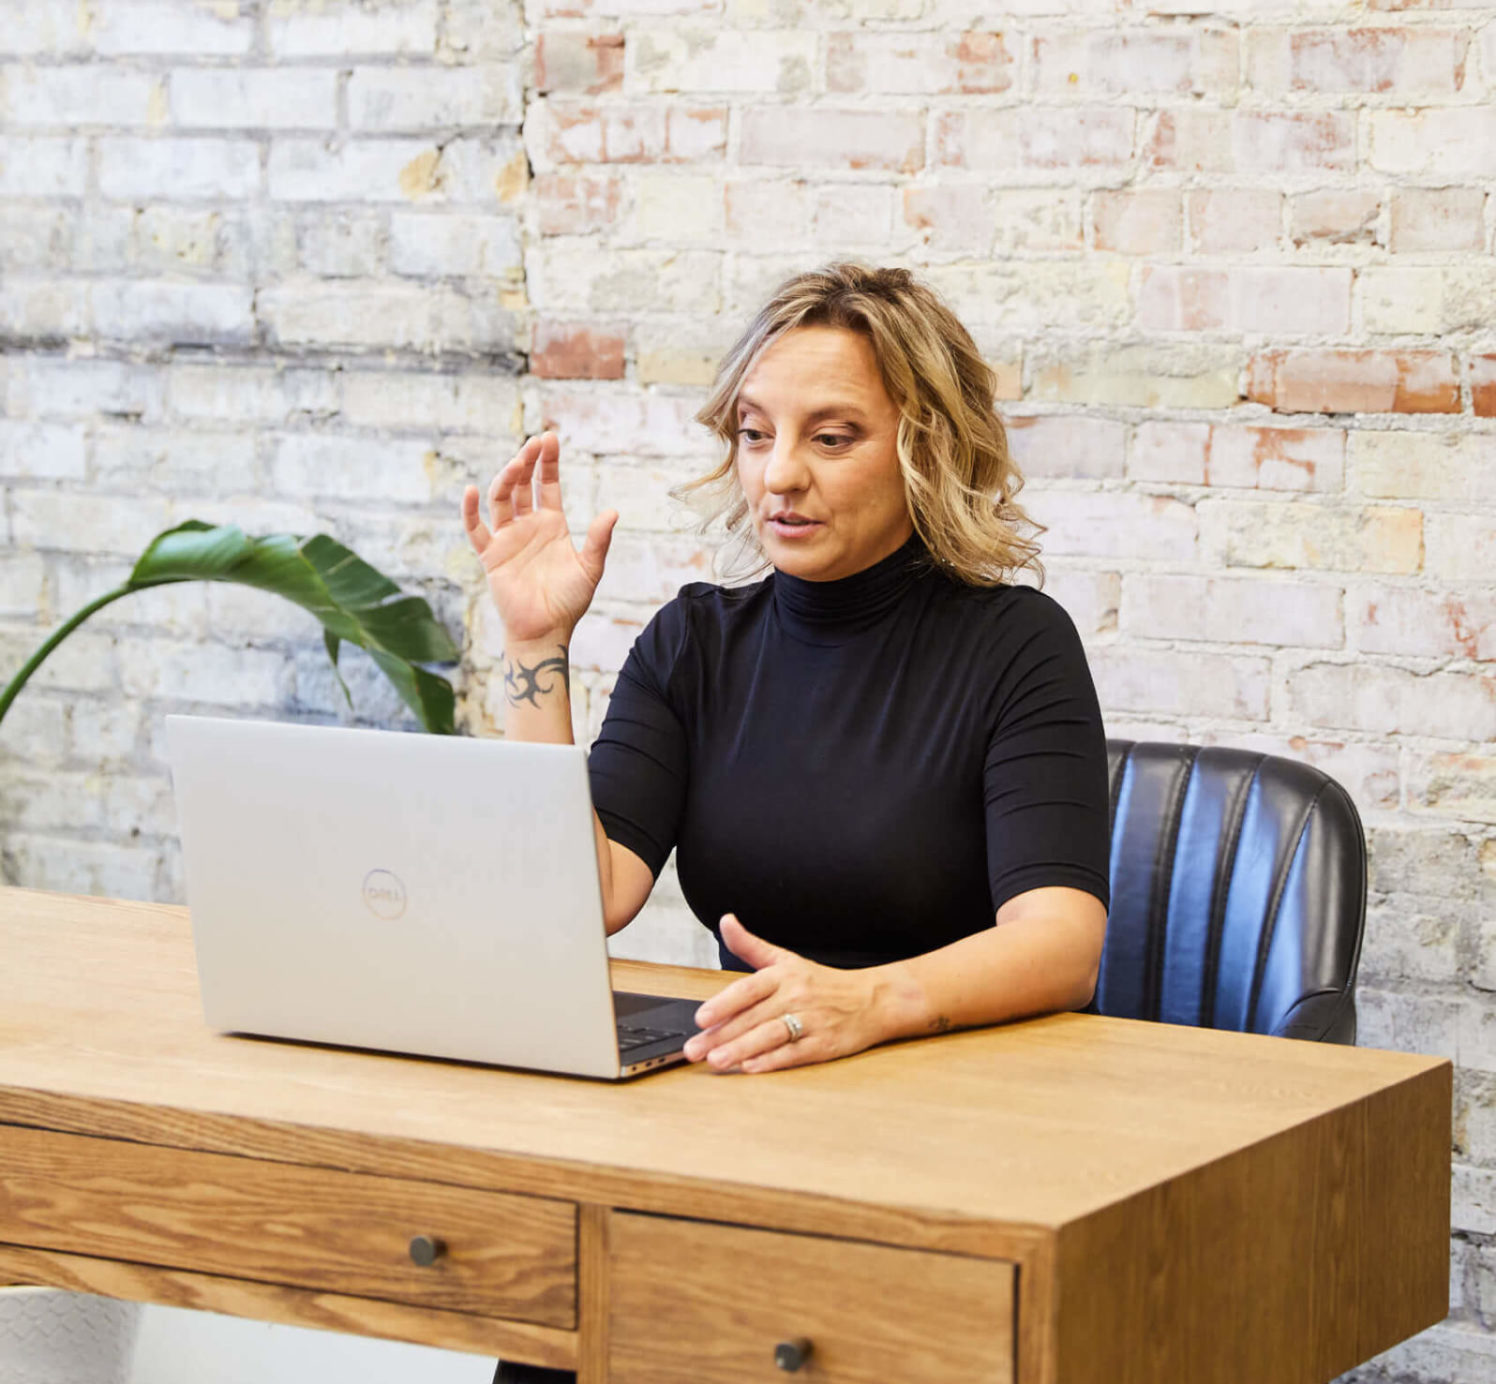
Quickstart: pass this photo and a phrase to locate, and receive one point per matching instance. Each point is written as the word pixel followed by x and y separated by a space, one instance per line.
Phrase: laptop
pixel 423 894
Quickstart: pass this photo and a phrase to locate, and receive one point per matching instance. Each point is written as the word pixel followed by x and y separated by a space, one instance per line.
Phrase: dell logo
pixel 384 894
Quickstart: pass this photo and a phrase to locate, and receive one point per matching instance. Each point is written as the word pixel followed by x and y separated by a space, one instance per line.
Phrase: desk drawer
pixel 503 1256
pixel 696 1303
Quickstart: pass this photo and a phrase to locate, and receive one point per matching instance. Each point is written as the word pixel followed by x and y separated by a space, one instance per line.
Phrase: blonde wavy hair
pixel 959 479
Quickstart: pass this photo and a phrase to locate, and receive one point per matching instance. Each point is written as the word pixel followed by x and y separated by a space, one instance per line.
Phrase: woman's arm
pixel 537 695
pixel 1043 955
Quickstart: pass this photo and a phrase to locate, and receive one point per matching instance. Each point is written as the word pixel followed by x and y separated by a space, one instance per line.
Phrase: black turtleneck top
pixel 861 770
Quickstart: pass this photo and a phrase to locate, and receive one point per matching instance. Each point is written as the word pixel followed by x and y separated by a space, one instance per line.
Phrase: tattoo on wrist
pixel 940 1024
pixel 525 683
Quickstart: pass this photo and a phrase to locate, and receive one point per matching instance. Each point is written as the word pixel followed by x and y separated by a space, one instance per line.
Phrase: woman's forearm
pixel 537 709
pixel 1038 963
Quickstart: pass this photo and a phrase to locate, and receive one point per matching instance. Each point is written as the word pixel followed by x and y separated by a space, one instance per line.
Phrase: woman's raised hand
pixel 540 583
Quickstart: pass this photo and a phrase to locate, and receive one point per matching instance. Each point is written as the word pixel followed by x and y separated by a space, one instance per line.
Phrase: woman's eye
pixel 833 439
pixel 750 434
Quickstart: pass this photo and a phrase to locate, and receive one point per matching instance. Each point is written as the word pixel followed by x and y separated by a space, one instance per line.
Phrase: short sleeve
pixel 638 763
pixel 1045 773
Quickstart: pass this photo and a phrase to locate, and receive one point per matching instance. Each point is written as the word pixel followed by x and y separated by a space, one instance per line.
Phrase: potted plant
pixel 51 1336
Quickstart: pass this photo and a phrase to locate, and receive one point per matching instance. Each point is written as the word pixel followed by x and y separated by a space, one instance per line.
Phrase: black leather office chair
pixel 1238 893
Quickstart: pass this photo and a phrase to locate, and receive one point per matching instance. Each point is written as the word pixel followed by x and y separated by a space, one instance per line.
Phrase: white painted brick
pixel 1372 538
pixel 1368 771
pixel 676 208
pixel 170 26
pixel 177 461
pixel 1437 142
pixel 70 866
pixel 307 28
pixel 479 29
pixel 1424 623
pixel 341 243
pixel 852 217
pixel 1473 1198
pixel 1113 524
pixel 720 60
pixel 575 278
pixel 358 313
pixel 254 97
pixel 370 170
pixel 375 701
pixel 1458 466
pixel 390 100
pixel 81 522
pixel 1232 610
pixel 420 403
pixel 36 728
pixel 44 26
pixel 250 394
pixel 641 495
pixel 42 451
pixel 40 167
pixel 179 169
pixel 1461 547
pixel 199 672
pixel 46 802
pixel 46 309
pixel 1206 684
pixel 83 662
pixel 653 568
pixel 81 95
pixel 103 733
pixel 47 387
pixel 611 420
pixel 1387 700
pixel 1089 598
pixel 180 313
pixel 176 238
pixel 258 616
pixel 1067 445
pixel 1037 294
pixel 21 578
pixel 437 244
pixel 353 468
pixel 33 237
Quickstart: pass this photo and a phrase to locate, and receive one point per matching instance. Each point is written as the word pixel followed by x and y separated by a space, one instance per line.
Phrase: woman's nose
pixel 785 473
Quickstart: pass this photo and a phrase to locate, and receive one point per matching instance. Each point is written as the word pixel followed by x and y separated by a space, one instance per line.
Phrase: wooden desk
pixel 1065 1201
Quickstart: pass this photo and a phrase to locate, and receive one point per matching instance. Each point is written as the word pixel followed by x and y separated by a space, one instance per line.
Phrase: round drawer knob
pixel 427 1249
pixel 790 1355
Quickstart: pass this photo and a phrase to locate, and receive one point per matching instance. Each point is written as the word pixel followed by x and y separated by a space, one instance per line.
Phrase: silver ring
pixel 792 1022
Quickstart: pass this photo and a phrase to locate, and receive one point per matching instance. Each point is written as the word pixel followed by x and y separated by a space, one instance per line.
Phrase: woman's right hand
pixel 540 583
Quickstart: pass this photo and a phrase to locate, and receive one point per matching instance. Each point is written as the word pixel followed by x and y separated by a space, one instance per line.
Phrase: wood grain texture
pixel 505 1256
pixel 269 1302
pixel 594 1287
pixel 695 1303
pixel 1060 1116
pixel 1346 1254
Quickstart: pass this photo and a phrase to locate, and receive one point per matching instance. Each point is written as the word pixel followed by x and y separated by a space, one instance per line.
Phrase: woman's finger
pixel 477 532
pixel 550 471
pixel 734 999
pixel 599 536
pixel 761 1040
pixel 524 483
pixel 501 497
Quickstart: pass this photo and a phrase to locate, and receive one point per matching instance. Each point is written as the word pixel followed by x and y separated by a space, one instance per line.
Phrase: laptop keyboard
pixel 631 1037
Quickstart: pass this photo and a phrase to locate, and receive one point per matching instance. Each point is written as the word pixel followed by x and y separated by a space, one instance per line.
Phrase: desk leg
pixel 592 1285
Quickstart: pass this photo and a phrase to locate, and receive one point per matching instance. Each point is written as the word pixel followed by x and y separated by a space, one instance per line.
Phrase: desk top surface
pixel 1031 1124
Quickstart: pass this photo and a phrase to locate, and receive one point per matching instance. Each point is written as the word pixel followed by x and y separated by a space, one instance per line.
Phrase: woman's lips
pixel 783 528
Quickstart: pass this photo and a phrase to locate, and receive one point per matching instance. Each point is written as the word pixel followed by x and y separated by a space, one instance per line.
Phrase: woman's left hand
pixel 744 1025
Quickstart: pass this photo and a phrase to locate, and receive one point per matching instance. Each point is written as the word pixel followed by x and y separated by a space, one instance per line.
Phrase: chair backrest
pixel 1238 893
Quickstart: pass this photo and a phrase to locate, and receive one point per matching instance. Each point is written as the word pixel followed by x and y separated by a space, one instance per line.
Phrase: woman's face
pixel 817 455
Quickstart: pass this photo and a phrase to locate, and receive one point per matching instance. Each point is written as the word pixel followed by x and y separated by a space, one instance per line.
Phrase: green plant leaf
pixel 354 602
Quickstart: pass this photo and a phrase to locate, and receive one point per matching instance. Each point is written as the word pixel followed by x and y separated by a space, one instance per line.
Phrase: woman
pixel 869 758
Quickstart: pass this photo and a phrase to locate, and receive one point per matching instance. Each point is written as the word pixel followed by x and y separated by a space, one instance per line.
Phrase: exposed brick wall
pixel 315 264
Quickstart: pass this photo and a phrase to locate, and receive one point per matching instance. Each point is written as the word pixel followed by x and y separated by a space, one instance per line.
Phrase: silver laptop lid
pixel 416 893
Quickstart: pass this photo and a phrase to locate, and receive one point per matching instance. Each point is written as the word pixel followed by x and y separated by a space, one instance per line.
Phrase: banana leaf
pixel 354 602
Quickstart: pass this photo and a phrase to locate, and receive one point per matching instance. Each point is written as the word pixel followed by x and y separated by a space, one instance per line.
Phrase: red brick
pixel 1252 458
pixel 922 64
pixel 575 204
pixel 1340 216
pixel 1067 445
pixel 1429 624
pixel 1141 221
pixel 575 351
pixel 1329 381
pixel 791 137
pixel 589 64
pixel 1483 386
pixel 1438 218
pixel 1235 220
pixel 574 132
pixel 1035 137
